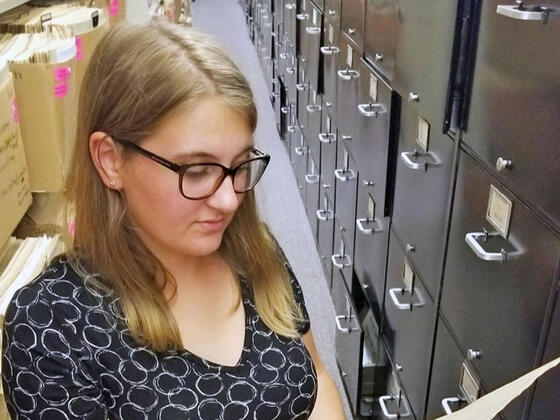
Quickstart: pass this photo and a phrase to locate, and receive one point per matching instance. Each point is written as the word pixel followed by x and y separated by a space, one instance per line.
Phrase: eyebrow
pixel 191 156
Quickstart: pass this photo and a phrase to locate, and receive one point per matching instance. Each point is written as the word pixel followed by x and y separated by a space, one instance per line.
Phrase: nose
pixel 225 198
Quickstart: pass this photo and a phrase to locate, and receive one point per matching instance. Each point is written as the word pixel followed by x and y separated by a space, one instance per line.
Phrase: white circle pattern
pixel 68 354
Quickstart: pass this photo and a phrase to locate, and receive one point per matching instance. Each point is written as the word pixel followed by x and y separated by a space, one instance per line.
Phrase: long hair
pixel 137 75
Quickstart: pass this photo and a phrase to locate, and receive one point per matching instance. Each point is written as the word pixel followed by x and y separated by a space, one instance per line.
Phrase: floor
pixel 279 200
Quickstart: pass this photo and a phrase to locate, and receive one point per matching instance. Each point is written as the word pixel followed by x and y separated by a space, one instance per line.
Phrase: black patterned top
pixel 63 358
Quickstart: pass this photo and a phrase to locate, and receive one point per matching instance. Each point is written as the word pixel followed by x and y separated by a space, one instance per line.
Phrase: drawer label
pixel 331 33
pixel 328 124
pixel 314 17
pixel 349 55
pixel 373 88
pixel 423 134
pixel 370 209
pixel 498 212
pixel 408 276
pixel 469 386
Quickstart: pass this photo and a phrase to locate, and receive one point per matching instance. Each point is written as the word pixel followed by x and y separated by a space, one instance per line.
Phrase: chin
pixel 204 246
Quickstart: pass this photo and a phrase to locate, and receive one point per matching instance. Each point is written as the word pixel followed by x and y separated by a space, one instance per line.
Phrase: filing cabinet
pixel 300 153
pixel 346 175
pixel 513 122
pixel 330 49
pixel 408 326
pixel 347 87
pixel 302 88
pixel 325 233
pixel 342 257
pixel 313 127
pixel 328 142
pixel 500 270
pixel 311 192
pixel 425 162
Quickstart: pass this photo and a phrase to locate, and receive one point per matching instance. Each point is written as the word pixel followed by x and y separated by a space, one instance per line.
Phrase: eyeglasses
pixel 200 180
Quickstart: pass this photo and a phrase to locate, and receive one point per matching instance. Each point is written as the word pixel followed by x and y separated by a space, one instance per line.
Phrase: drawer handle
pixel 329 50
pixel 379 57
pixel 386 411
pixel 327 138
pixel 339 326
pixel 344 175
pixel 346 261
pixel 375 226
pixel 405 306
pixel 332 12
pixel 418 166
pixel 290 6
pixel 324 215
pixel 292 129
pixel 302 16
pixel 371 110
pixel 291 70
pixel 480 252
pixel 313 108
pixel 347 74
pixel 301 86
pixel 300 151
pixel 351 31
pixel 284 110
pixel 283 56
pixel 313 30
pixel 445 404
pixel 520 12
pixel 312 179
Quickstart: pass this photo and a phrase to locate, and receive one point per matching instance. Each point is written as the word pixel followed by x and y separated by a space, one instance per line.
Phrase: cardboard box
pixel 47 101
pixel 15 194
pixel 48 215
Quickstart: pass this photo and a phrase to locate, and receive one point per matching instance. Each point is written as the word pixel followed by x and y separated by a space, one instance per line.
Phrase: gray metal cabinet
pixel 346 174
pixel 499 273
pixel 342 257
pixel 325 232
pixel 300 152
pixel 545 400
pixel 408 326
pixel 370 247
pixel 330 49
pixel 313 128
pixel 454 382
pixel 347 87
pixel 425 164
pixel 310 41
pixel 328 144
pixel 290 21
pixel 380 34
pixel 302 88
pixel 311 192
pixel 373 135
pixel 513 122
pixel 352 21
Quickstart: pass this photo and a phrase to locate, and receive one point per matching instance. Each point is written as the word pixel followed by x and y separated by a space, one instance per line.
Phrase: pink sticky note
pixel 114 7
pixel 79 49
pixel 15 113
pixel 61 74
pixel 60 89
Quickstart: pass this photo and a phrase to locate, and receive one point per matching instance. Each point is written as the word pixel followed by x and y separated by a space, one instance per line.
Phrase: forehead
pixel 210 127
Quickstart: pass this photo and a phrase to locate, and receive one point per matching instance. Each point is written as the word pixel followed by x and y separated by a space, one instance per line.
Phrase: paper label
pixel 60 90
pixel 346 161
pixel 468 385
pixel 371 208
pixel 15 112
pixel 79 49
pixel 373 88
pixel 328 124
pixel 314 17
pixel 331 33
pixel 61 74
pixel 423 134
pixel 498 212
pixel 408 276
pixel 114 7
pixel 349 56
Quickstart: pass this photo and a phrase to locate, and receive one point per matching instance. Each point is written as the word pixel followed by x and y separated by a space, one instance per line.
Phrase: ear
pixel 106 156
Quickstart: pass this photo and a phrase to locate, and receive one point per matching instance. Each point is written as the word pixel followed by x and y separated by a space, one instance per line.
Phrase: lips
pixel 213 224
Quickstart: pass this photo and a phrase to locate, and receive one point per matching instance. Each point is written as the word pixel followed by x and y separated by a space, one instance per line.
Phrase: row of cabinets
pixel 441 250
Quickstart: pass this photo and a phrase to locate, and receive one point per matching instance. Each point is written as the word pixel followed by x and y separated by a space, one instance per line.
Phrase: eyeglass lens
pixel 203 179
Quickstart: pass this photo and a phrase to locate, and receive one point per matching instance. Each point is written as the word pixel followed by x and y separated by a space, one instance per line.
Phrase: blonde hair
pixel 138 75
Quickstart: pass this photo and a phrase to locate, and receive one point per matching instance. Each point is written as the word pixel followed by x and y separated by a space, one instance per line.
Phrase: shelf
pixel 6 5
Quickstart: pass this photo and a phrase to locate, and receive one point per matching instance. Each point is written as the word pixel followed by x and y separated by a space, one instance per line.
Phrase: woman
pixel 174 301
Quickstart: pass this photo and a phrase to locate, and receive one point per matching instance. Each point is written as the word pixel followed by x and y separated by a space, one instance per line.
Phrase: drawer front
pixel 328 143
pixel 311 193
pixel 370 249
pixel 352 21
pixel 371 145
pixel 331 28
pixel 380 35
pixel 347 85
pixel 419 222
pixel 290 20
pixel 483 297
pixel 300 150
pixel 349 340
pixel 408 325
pixel 515 104
pixel 313 128
pixel 325 219
pixel 454 382
pixel 302 88
pixel 311 45
pixel 346 177
pixel 342 257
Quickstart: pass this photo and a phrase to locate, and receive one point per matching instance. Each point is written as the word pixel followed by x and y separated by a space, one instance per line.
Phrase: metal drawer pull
pixel 313 30
pixel 290 70
pixel 346 261
pixel 313 108
pixel 521 12
pixel 312 179
pixel 283 56
pixel 480 252
pixel 290 6
pixel 351 31
pixel 406 306
pixel 302 16
pixel 327 137
pixel 284 110
pixel 445 404
pixel 379 57
pixel 324 214
pixel 347 74
pixel 329 50
pixel 332 12
pixel 386 411
pixel 372 110
pixel 405 157
pixel 375 226
pixel 300 151
pixel 502 164
pixel 301 86
pixel 339 326
pixel 344 176
pixel 292 129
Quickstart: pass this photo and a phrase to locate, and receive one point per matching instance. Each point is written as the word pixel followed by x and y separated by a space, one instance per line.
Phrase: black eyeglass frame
pixel 180 169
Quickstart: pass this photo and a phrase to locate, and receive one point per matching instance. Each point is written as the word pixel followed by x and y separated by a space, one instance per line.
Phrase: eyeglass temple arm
pixel 154 157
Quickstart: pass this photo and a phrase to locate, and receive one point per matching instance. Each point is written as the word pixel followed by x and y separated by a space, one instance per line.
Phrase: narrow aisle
pixel 279 200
